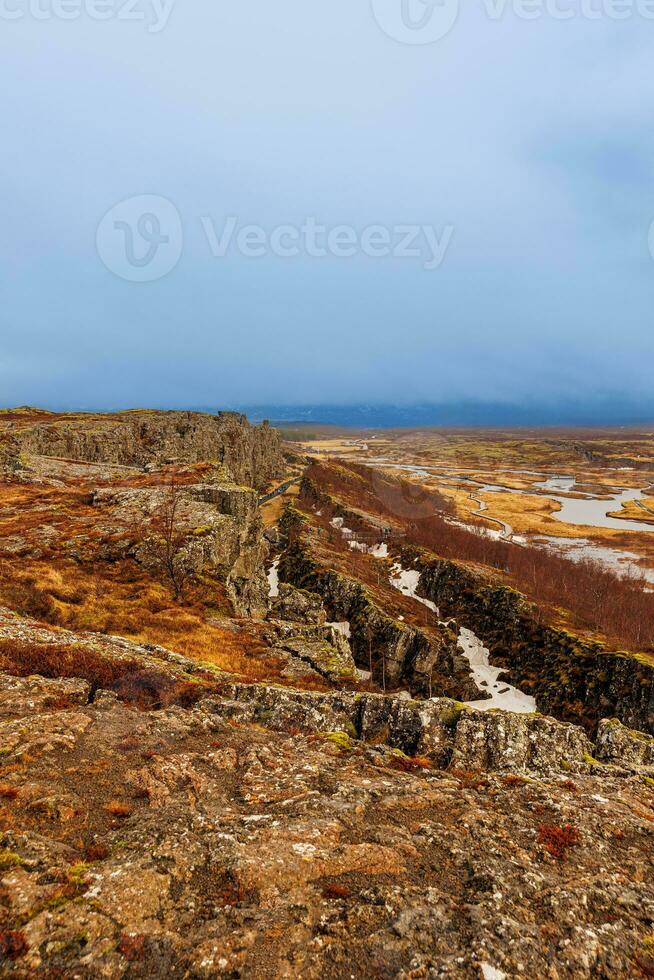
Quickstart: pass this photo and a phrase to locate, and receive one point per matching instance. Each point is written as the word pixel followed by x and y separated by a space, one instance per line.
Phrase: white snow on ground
pixel 489 972
pixel 343 628
pixel 487 677
pixel 380 551
pixel 503 695
pixel 406 582
pixel 273 580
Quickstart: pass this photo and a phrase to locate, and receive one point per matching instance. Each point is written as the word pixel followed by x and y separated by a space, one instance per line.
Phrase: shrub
pixel 559 840
pixel 336 891
pixel 97 852
pixel 13 944
pixel 132 946
pixel 134 684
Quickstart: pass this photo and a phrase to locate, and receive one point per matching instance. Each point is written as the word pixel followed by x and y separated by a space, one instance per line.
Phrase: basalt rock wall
pixel 250 454
pixel 398 653
pixel 570 677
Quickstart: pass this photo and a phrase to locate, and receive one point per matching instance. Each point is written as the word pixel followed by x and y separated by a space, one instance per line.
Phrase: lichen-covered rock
pixel 10 458
pixel 251 455
pixel 617 743
pixel 35 695
pixel 326 659
pixel 297 606
pixel 195 843
pixel 503 741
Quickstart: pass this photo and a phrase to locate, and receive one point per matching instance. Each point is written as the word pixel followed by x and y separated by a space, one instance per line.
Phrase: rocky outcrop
pixel 445 731
pixel 185 843
pixel 396 653
pixel 10 461
pixel 221 530
pixel 618 744
pixel 297 606
pixel 324 650
pixel 570 677
pixel 251 455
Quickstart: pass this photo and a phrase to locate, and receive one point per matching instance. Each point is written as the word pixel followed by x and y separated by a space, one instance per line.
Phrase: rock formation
pixel 258 831
pixel 251 455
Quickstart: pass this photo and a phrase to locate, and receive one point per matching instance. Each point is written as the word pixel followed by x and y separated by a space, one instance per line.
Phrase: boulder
pixel 616 743
pixel 297 606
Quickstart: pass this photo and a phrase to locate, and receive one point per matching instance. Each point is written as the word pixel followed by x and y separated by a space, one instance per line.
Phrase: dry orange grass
pixel 120 597
pixel 127 603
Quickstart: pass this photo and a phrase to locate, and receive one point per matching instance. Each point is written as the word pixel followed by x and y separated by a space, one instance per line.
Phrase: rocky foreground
pixel 270 772
pixel 265 832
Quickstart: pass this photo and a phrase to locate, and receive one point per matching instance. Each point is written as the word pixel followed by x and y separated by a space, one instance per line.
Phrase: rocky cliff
pixel 571 677
pixel 217 526
pixel 395 652
pixel 251 455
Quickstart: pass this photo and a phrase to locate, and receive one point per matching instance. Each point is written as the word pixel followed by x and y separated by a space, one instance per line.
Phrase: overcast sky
pixel 524 148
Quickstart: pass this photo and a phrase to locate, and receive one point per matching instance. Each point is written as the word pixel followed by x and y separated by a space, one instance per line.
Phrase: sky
pixel 209 203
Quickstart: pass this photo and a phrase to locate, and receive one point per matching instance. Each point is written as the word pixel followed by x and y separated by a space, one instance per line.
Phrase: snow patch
pixel 273 580
pixel 503 695
pixel 343 628
pixel 489 972
pixel 406 582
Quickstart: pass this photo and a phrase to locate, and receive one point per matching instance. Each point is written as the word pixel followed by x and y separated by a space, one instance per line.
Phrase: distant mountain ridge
pixel 453 414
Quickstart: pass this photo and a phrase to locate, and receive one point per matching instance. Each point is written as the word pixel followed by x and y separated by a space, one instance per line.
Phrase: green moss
pixel 205 665
pixel 450 716
pixel 9 859
pixel 77 872
pixel 340 739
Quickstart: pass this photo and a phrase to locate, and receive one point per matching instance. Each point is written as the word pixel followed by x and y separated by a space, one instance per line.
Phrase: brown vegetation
pixel 164 539
pixel 144 688
pixel 617 607
pixel 600 601
pixel 118 809
pixel 13 944
pixel 558 840
pixel 132 946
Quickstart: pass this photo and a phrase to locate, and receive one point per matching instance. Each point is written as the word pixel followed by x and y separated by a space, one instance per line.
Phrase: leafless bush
pixel 164 541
